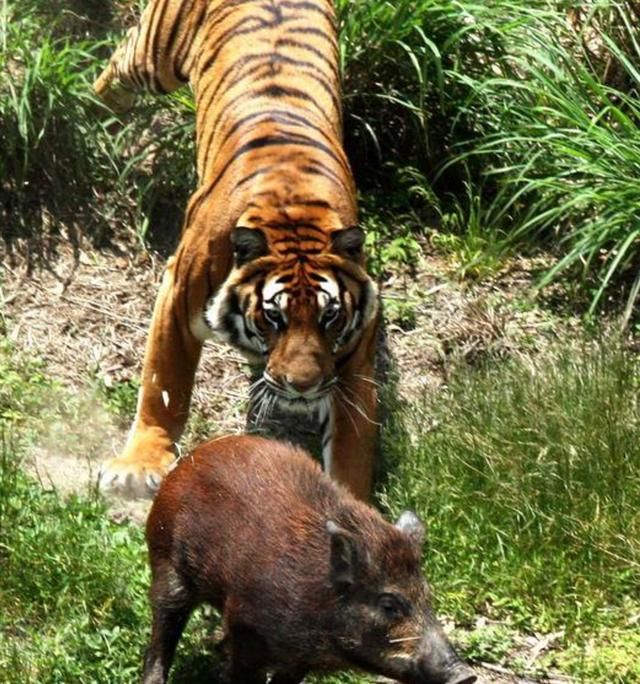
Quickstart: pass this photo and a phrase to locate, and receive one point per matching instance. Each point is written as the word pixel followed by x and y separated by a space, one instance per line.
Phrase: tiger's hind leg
pixel 156 55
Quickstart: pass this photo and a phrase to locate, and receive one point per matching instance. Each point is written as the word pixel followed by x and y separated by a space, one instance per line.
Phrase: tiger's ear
pixel 248 244
pixel 348 242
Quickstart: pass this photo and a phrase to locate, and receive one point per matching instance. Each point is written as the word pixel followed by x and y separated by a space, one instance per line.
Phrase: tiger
pixel 271 257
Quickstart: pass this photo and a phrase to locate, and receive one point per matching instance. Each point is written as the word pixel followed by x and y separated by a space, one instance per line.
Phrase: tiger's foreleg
pixel 352 449
pixel 171 357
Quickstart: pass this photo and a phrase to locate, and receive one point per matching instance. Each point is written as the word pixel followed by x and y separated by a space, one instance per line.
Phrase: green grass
pixel 559 145
pixel 525 128
pixel 526 474
pixel 68 165
pixel 73 605
pixel 73 584
pixel 529 485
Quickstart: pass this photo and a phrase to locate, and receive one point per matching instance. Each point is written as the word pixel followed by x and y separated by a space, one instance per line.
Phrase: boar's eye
pixel 393 606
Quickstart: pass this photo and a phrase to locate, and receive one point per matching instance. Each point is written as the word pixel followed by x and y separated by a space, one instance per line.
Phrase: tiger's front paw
pixel 138 472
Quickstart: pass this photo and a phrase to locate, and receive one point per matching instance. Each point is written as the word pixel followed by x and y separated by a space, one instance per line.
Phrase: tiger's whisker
pixel 369 379
pixel 341 398
pixel 353 402
pixel 256 385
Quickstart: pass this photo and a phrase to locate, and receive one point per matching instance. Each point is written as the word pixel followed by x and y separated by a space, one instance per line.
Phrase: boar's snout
pixel 439 663
pixel 462 675
pixel 455 673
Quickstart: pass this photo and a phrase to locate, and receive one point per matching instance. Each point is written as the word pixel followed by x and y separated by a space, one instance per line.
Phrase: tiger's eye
pixel 274 317
pixel 330 313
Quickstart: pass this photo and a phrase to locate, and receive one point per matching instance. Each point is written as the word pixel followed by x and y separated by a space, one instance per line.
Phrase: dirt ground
pixel 86 314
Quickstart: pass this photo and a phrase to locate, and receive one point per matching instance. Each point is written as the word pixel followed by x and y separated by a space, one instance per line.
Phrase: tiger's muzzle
pixel 304 390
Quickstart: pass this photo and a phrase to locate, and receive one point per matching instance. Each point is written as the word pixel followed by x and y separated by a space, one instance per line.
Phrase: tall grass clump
pixel 399 104
pixel 522 118
pixel 527 476
pixel 48 146
pixel 397 61
pixel 68 165
pixel 560 145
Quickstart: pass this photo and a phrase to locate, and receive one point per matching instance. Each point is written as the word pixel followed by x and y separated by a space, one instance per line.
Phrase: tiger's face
pixel 299 313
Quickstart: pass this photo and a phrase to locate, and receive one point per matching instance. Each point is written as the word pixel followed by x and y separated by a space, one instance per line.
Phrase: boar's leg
pixel 171 606
pixel 168 626
pixel 291 676
pixel 248 655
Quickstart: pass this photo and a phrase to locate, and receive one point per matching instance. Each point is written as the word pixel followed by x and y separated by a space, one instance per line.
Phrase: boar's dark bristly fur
pixel 306 576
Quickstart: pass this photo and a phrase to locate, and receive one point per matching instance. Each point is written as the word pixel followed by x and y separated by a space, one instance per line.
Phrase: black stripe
pixel 277 115
pixel 309 69
pixel 299 139
pixel 155 50
pixel 253 174
pixel 311 31
pixel 214 127
pixel 230 34
pixel 132 73
pixel 342 360
pixel 276 91
pixel 188 38
pixel 255 144
pixel 288 42
pixel 268 115
pixel 313 203
pixel 315 168
pixel 238 64
pixel 144 74
pixel 311 7
pixel 313 251
pixel 276 11
pixel 282 91
pixel 271 114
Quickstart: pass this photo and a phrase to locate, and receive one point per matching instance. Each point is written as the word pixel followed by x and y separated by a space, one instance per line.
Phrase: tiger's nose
pixel 305 384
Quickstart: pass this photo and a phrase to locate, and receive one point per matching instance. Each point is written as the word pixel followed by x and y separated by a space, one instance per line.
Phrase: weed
pixel 488 643
pixel 120 398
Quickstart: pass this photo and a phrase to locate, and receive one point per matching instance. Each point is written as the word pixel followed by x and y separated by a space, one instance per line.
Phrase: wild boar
pixel 305 576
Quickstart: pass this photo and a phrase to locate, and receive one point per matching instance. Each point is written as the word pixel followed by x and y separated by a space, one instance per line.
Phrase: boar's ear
pixel 344 557
pixel 348 242
pixel 248 244
pixel 412 526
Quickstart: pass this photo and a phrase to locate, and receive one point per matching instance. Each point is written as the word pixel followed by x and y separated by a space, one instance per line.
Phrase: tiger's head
pixel 297 300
